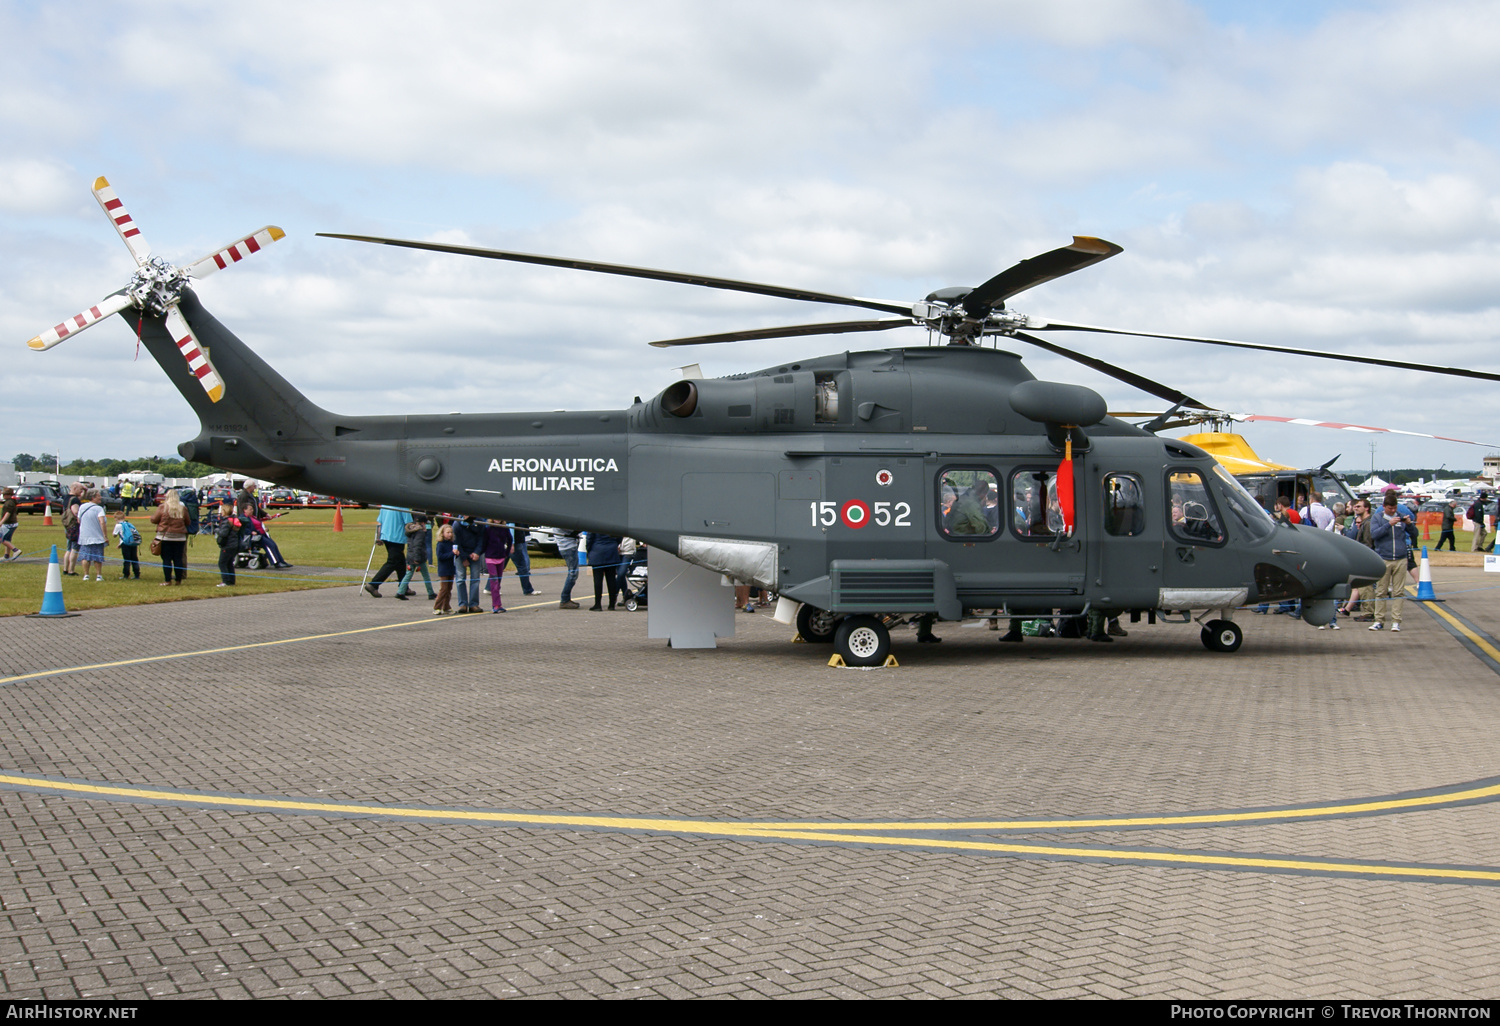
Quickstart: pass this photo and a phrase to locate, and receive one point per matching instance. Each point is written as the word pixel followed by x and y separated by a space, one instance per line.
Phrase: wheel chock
pixel 838 660
pixel 798 639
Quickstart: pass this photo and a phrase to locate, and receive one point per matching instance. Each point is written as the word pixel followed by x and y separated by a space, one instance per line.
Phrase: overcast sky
pixel 1320 175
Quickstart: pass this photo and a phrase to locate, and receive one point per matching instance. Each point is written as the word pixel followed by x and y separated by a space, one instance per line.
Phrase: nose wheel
pixel 862 641
pixel 1222 636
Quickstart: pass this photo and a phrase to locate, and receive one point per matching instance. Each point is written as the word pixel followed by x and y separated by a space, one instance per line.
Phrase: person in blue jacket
pixel 1392 533
pixel 468 535
pixel 604 557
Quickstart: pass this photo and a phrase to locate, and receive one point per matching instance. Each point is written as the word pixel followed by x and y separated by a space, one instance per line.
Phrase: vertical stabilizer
pixel 260 416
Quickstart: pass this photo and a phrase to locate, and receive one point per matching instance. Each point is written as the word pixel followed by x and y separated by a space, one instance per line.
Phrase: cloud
pixel 1329 182
pixel 37 187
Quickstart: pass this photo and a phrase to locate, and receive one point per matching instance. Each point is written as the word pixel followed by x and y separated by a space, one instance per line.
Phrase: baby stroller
pixel 635 587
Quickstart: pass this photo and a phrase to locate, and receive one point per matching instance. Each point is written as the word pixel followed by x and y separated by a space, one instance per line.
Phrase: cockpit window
pixel 1193 516
pixel 1035 512
pixel 1243 507
pixel 969 504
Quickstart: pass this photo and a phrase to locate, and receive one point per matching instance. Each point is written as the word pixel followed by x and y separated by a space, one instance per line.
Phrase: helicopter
pixel 867 489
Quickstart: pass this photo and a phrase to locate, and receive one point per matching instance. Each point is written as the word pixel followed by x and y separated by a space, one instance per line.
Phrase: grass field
pixel 306 538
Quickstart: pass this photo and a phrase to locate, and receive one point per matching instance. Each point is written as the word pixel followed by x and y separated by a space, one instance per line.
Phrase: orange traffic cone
pixel 47 515
pixel 338 519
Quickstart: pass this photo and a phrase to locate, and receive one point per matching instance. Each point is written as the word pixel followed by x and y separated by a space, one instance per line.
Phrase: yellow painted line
pixel 1479 640
pixel 236 648
pixel 1191 819
pixel 701 828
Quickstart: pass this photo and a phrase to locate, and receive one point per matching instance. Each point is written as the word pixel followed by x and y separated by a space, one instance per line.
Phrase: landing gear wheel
pixel 816 625
pixel 862 641
pixel 1222 636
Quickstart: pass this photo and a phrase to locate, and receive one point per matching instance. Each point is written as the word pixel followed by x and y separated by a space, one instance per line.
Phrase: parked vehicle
pixel 34 498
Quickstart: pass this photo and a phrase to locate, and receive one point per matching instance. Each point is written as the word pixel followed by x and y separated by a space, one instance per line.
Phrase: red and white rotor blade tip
pixel 73 325
pixel 121 219
pixel 235 251
pixel 1363 428
pixel 192 352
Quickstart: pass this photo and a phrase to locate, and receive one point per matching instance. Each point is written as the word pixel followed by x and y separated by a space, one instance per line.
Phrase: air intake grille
pixel 883 590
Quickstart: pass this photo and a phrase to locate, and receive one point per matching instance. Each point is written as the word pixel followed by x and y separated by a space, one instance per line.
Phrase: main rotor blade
pixel 730 284
pixel 1084 251
pixel 121 219
pixel 791 331
pixel 1145 384
pixel 192 352
pixel 1457 372
pixel 1363 428
pixel 236 251
pixel 73 325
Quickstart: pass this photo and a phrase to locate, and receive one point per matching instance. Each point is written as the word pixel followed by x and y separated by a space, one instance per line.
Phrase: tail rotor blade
pixel 192 352
pixel 121 219
pixel 73 325
pixel 236 251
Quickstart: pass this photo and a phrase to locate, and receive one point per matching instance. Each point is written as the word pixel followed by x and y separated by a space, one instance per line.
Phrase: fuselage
pixel 894 481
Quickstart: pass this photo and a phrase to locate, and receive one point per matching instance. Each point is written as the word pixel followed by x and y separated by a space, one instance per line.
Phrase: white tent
pixel 1373 483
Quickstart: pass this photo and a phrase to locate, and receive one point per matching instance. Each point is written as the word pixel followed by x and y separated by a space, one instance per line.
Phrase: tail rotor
pixel 156 288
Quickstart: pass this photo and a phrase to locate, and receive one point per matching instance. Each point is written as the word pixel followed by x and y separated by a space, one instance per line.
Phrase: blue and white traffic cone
pixel 52 596
pixel 1424 581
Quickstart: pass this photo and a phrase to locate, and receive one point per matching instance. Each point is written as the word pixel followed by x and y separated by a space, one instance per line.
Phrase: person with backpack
pixel 130 552
pixel 1475 514
pixel 229 535
pixel 70 527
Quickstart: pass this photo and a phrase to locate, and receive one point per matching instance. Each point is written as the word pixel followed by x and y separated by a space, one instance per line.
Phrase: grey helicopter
pixel 873 489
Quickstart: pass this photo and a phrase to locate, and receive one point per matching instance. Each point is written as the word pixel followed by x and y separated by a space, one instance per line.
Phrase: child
pixel 446 551
pixel 418 548
pixel 8 523
pixel 130 540
pixel 228 537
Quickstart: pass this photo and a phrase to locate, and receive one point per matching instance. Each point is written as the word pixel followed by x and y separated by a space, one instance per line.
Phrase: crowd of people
pixel 469 550
pixel 1389 527
pixel 174 520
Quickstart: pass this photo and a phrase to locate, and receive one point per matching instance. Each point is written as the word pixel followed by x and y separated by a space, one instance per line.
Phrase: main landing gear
pixel 1222 636
pixel 817 626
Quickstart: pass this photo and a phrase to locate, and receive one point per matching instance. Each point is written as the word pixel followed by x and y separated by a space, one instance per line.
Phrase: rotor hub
pixel 156 285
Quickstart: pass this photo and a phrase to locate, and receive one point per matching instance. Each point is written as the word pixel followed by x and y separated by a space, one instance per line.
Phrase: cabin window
pixel 1124 505
pixel 1192 515
pixel 968 503
pixel 1035 511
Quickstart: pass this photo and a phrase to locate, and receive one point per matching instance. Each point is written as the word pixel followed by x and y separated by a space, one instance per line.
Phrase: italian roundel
pixel 855 514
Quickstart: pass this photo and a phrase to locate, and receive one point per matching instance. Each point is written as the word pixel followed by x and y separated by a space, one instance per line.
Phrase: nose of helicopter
pixel 1333 560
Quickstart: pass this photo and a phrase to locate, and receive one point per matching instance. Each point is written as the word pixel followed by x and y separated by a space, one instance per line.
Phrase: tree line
pixel 166 466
